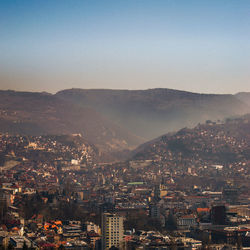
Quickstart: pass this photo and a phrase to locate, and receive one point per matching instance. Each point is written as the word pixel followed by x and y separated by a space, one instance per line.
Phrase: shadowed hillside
pixel 244 97
pixel 42 113
pixel 150 113
pixel 113 120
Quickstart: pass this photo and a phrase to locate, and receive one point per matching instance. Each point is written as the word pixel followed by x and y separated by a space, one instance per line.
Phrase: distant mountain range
pixel 114 120
pixel 150 113
pixel 41 114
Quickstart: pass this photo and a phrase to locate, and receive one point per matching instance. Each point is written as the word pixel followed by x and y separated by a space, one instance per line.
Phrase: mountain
pixel 206 144
pixel 150 113
pixel 112 120
pixel 244 97
pixel 42 113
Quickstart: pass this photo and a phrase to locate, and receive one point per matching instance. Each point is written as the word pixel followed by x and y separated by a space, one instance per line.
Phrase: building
pixel 186 221
pixel 91 227
pixel 218 215
pixel 154 211
pixel 231 195
pixel 112 230
pixel 19 241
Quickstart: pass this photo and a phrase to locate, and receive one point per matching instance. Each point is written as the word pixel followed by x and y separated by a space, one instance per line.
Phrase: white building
pixel 186 221
pixel 90 226
pixel 112 230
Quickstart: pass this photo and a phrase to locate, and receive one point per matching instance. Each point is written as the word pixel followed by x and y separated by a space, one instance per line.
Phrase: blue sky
pixel 200 46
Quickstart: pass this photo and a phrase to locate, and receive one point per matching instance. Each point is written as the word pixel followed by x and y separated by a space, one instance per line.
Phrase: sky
pixel 199 46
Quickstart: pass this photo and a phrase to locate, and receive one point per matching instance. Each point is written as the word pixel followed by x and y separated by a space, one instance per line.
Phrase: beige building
pixel 112 230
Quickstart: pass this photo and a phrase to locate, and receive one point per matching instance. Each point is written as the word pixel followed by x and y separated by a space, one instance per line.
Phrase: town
pixel 188 190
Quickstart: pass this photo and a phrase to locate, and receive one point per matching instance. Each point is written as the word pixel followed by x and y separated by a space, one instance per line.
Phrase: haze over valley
pixel 114 120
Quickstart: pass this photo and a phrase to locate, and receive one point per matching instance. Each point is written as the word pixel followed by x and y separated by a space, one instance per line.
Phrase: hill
pixel 206 144
pixel 42 113
pixel 150 113
pixel 46 149
pixel 244 97
pixel 112 120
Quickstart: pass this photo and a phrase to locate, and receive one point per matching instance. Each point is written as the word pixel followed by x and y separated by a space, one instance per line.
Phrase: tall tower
pixel 157 192
pixel 112 230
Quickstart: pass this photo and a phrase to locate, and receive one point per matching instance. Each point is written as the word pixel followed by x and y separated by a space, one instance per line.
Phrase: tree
pixel 139 220
pixel 171 222
pixel 25 247
pixel 10 247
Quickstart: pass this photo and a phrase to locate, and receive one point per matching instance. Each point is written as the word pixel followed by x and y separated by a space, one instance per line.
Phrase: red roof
pixel 203 209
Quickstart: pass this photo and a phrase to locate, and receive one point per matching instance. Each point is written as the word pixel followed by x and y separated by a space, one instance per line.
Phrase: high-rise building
pixel 231 195
pixel 157 192
pixel 154 211
pixel 112 230
pixel 218 215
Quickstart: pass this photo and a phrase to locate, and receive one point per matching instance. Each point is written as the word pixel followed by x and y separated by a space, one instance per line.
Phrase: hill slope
pixel 244 97
pixel 41 113
pixel 150 113
pixel 112 120
pixel 210 143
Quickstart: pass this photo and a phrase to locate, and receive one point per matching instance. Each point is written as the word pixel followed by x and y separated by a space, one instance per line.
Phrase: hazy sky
pixel 200 46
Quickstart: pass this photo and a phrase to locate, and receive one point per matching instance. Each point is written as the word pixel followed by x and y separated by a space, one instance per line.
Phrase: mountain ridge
pixel 113 120
pixel 39 113
pixel 146 112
